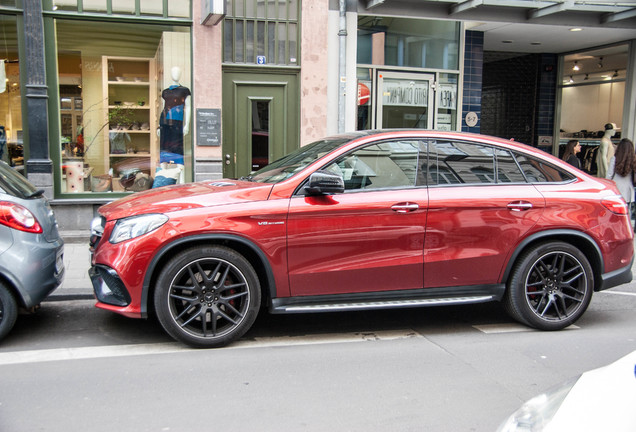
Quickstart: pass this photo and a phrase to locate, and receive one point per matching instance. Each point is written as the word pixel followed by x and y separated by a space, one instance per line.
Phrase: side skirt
pixel 388 300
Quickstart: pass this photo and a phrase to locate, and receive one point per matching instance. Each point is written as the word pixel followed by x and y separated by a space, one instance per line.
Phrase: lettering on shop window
pixel 447 96
pixel 405 93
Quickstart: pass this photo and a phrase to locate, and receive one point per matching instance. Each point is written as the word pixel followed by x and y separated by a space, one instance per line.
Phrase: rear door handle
pixel 519 206
pixel 404 207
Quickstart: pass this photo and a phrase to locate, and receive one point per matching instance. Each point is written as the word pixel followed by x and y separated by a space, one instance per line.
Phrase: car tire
pixel 550 287
pixel 207 297
pixel 8 310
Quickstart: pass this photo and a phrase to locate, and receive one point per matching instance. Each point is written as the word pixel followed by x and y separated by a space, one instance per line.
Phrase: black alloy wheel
pixel 207 297
pixel 8 310
pixel 551 286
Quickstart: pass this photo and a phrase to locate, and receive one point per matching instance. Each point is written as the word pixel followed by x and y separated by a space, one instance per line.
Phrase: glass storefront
pixel 592 95
pixel 11 145
pixel 125 105
pixel 408 73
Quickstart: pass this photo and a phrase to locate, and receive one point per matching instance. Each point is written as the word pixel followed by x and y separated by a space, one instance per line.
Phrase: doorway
pixel 405 100
pixel 260 121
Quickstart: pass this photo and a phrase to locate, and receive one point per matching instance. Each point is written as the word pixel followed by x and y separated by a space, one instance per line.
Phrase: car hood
pixel 187 196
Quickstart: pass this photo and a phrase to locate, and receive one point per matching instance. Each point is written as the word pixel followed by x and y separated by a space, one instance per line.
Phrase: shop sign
pixel 447 94
pixel 405 93
pixel 208 127
pixel 364 95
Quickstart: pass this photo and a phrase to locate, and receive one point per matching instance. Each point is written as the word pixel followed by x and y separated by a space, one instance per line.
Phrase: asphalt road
pixel 71 367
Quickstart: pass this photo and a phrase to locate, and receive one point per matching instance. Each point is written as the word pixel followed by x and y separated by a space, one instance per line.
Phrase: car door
pixel 479 207
pixel 369 238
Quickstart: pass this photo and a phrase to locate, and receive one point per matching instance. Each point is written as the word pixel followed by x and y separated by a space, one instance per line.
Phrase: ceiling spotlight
pixel 575 67
pixel 571 79
pixel 600 62
pixel 587 77
pixel 615 74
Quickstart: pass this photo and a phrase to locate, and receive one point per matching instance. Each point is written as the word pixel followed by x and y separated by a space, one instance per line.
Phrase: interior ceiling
pixel 525 26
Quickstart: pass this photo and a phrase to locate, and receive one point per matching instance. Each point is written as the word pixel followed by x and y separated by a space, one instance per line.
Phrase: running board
pixel 297 306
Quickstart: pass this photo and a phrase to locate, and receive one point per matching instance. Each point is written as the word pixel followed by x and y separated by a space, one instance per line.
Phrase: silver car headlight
pixel 536 414
pixel 129 228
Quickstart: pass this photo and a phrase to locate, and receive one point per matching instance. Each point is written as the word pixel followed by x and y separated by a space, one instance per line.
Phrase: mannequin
pixel 605 150
pixel 174 123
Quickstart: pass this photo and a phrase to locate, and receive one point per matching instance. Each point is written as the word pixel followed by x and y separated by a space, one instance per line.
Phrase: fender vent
pixel 222 184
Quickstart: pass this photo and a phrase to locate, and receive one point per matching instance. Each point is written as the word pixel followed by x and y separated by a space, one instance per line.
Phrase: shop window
pixel 257 32
pixel 593 94
pixel 11 146
pixel 124 104
pixel 150 8
pixel 408 42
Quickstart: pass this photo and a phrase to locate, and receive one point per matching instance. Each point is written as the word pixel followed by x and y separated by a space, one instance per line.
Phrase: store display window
pixel 592 97
pixel 142 8
pixel 124 106
pixel 11 145
pixel 416 43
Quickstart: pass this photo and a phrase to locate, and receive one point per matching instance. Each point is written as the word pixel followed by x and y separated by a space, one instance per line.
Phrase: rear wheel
pixel 207 296
pixel 551 286
pixel 8 310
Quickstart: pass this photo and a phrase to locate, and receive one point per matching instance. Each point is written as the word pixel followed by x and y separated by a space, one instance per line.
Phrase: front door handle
pixel 519 206
pixel 404 207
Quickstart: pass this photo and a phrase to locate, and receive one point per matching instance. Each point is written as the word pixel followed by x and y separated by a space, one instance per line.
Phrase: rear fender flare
pixel 562 235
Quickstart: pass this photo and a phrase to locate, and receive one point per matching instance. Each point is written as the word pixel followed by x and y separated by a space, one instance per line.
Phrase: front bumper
pixel 108 286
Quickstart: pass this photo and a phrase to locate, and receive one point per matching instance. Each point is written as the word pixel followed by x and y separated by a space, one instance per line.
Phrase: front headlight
pixel 536 414
pixel 129 228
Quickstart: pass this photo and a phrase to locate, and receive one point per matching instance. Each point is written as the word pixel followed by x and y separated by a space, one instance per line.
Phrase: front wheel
pixel 8 310
pixel 207 297
pixel 551 286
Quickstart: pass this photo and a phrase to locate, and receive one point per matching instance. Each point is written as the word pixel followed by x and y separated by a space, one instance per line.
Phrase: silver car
pixel 31 249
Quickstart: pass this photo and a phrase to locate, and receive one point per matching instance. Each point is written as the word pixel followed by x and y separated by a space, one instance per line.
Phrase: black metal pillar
pixel 39 166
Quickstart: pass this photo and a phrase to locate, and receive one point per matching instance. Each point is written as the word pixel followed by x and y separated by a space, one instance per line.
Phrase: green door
pixel 260 120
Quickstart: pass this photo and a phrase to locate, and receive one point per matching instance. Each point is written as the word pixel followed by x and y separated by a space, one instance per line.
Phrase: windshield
pixel 13 183
pixel 296 161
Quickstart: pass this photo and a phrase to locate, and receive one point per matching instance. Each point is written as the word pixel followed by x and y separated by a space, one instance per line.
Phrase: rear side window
pixel 538 171
pixel 453 162
pixel 507 169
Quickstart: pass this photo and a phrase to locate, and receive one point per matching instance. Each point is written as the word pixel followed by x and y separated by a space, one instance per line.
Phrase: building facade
pixel 102 98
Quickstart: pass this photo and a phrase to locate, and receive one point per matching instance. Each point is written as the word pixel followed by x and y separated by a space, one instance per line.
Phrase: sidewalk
pixel 77 284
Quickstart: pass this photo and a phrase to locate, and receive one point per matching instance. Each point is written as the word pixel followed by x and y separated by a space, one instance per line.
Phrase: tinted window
pixel 507 169
pixel 386 165
pixel 537 171
pixel 453 162
pixel 15 184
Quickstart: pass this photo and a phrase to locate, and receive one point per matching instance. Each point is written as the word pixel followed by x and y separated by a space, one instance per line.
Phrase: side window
pixel 507 169
pixel 386 165
pixel 452 162
pixel 537 171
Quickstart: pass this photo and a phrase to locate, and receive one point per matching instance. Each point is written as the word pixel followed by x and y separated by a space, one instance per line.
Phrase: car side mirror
pixel 325 183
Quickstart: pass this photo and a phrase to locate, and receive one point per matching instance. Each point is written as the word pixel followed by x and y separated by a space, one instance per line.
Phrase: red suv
pixel 374 219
